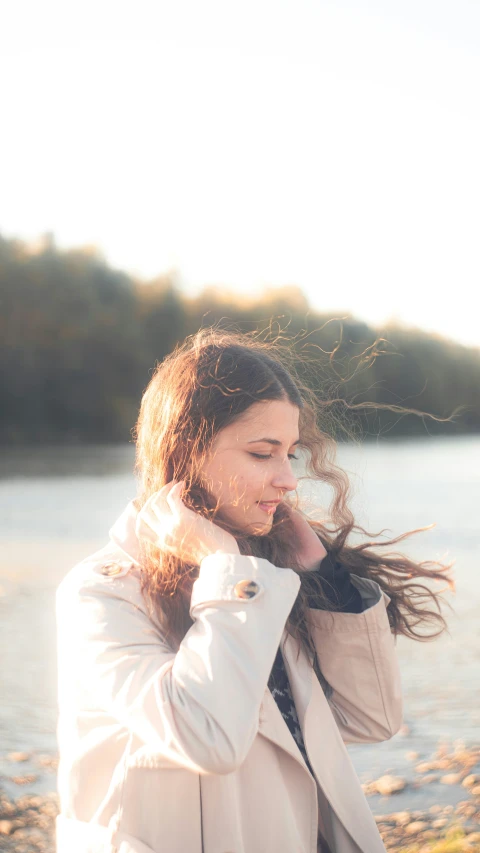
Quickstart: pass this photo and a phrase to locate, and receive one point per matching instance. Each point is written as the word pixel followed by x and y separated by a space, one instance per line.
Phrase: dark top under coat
pixel 339 591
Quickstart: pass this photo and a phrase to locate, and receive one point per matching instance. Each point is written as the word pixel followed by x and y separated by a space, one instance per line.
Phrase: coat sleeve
pixel 198 708
pixel 358 662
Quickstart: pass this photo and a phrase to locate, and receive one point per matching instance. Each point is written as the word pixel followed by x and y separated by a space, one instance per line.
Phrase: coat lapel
pixel 326 750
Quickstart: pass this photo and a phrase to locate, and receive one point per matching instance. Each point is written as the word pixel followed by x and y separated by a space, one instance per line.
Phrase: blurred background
pixel 305 167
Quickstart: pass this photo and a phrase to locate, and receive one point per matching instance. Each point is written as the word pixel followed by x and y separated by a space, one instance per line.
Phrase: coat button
pixel 246 589
pixel 111 569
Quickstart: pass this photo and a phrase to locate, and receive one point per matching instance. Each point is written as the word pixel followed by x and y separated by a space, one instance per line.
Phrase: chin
pixel 259 528
pixel 253 528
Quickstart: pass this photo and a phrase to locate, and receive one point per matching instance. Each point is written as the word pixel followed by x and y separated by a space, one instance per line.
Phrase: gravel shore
pixel 27 820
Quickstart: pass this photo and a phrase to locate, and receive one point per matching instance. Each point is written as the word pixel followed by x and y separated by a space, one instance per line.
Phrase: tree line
pixel 78 341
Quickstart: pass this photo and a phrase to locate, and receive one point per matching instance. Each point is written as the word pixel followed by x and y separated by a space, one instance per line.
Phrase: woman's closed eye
pixel 269 456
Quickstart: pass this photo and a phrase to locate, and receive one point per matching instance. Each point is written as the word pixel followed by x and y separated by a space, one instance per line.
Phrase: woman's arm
pixel 197 708
pixel 358 661
pixel 354 644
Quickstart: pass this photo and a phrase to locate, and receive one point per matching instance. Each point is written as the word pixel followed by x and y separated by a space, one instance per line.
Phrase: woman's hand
pixel 308 546
pixel 169 524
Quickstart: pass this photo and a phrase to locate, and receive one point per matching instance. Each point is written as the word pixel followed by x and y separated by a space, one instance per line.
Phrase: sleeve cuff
pixel 241 579
pixel 338 588
pixel 374 615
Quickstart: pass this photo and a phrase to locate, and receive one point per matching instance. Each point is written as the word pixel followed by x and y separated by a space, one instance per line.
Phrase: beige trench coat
pixel 188 752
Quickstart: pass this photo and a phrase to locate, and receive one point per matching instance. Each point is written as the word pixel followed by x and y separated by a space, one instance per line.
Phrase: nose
pixel 284 478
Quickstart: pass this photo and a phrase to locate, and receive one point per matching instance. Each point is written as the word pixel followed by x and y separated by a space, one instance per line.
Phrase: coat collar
pixel 123 533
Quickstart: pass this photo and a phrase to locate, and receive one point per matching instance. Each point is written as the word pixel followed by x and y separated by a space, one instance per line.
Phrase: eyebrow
pixel 271 441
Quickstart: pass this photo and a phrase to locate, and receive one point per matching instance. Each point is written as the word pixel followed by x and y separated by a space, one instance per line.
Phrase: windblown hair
pixel 207 382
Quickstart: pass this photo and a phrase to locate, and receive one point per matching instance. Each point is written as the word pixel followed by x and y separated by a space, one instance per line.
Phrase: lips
pixel 268 506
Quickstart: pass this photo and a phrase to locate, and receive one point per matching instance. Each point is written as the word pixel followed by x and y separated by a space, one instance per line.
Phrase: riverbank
pixel 27 820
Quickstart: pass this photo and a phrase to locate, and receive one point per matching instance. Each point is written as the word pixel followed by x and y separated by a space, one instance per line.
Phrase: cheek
pixel 248 481
pixel 233 480
pixel 226 479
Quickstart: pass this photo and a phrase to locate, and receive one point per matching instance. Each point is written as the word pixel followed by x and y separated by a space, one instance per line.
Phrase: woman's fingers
pixel 174 497
pixel 162 513
pixel 146 524
pixel 154 515
pixel 172 526
pixel 159 501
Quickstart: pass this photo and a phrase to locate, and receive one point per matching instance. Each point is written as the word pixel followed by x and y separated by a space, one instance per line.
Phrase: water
pixel 57 504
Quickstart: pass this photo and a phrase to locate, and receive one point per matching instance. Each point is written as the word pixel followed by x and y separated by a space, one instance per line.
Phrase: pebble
pixel 434 764
pixel 429 777
pixel 400 818
pixel 439 822
pixel 6 827
pixel 470 780
pixel 451 779
pixel 389 784
pixel 50 761
pixel 6 808
pixel 18 756
pixel 24 780
pixel 462 806
pixel 423 767
pixel 475 791
pixel 416 826
pixel 49 809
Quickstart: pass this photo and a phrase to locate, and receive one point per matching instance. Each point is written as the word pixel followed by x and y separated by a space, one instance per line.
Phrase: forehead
pixel 271 419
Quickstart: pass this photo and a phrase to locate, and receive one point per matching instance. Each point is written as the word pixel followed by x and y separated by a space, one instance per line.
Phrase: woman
pixel 217 655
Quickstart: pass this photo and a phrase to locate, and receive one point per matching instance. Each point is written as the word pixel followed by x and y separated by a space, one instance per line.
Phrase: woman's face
pixel 247 487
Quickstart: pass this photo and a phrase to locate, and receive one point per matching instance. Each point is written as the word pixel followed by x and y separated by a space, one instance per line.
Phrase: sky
pixel 329 145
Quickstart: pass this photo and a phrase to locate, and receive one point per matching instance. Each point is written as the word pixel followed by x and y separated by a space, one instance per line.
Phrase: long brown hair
pixel 202 386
